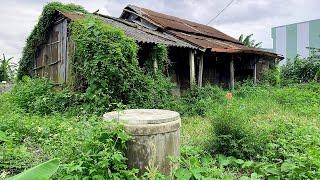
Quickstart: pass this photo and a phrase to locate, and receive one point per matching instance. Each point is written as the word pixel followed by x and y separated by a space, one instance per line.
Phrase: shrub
pixel 271 76
pixel 106 59
pixel 196 164
pixel 86 146
pixel 234 134
pixel 38 96
pixel 198 100
pixel 302 70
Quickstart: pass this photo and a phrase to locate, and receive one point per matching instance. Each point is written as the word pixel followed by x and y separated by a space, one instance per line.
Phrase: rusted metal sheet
pixel 202 36
pixel 220 46
pixel 174 23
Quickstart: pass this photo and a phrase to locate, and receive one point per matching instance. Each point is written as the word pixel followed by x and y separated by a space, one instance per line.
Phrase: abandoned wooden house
pixel 198 54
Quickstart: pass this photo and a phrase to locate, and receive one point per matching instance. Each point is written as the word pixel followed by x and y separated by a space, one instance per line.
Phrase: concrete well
pixel 155 137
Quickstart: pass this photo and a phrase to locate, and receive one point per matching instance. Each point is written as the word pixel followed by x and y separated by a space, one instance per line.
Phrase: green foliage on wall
pixel 39 34
pixel 158 53
pixel 106 59
pixel 104 67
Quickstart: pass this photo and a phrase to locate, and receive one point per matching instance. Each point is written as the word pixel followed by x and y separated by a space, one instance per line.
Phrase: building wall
pixel 292 40
pixel 51 58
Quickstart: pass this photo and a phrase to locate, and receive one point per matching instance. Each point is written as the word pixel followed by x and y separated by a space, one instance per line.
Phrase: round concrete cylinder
pixel 155 137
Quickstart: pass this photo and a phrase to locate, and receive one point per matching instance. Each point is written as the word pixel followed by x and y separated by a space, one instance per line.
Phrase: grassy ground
pixel 261 133
pixel 275 128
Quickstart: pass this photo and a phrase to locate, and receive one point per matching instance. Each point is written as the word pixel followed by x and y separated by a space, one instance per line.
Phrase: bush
pixel 86 146
pixel 106 59
pixel 38 96
pixel 271 77
pixel 235 135
pixel 301 70
pixel 198 101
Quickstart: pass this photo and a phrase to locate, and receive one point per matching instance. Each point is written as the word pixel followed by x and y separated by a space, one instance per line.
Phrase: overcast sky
pixel 243 17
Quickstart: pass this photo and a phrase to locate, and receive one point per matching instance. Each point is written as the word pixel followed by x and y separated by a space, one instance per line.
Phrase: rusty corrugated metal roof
pixel 142 34
pixel 217 45
pixel 178 24
pixel 202 36
pixel 137 32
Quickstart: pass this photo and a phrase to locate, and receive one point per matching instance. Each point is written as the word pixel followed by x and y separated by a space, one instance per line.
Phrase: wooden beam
pixel 200 71
pixel 192 68
pixel 231 74
pixel 155 66
pixel 255 72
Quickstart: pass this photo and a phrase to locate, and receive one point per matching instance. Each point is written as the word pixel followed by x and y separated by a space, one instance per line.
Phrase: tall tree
pixel 249 42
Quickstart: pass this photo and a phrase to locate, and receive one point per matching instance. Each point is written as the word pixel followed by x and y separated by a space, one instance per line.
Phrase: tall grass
pixel 276 127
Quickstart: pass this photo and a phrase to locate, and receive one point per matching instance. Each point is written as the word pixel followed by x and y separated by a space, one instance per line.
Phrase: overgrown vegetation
pixel 39 34
pixel 263 132
pixel 86 146
pixel 106 59
pixel 105 68
pixel 302 70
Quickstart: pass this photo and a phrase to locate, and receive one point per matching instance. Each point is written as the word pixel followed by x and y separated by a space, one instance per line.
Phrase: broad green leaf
pixel 3 136
pixel 183 174
pixel 239 161
pixel 273 178
pixel 227 177
pixel 223 161
pixel 272 170
pixel 40 172
pixel 196 172
pixel 244 178
pixel 285 167
pixel 254 176
pixel 247 164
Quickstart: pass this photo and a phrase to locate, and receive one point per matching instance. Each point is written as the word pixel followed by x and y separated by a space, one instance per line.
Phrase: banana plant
pixel 40 172
pixel 6 68
pixel 249 42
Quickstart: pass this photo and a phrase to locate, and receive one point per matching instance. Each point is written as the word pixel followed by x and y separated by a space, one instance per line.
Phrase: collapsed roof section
pixel 202 36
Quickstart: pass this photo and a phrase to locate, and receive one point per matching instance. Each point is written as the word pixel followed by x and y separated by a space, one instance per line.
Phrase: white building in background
pixel 294 39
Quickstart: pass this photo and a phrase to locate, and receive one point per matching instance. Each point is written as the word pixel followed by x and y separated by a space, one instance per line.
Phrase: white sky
pixel 18 17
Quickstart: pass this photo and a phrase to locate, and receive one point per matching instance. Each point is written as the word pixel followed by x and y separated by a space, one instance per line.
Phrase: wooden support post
pixel 192 68
pixel 232 74
pixel 155 66
pixel 255 72
pixel 200 70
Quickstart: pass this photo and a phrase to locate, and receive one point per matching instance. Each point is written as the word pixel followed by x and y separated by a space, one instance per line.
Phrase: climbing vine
pixel 104 67
pixel 158 53
pixel 40 32
pixel 106 58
